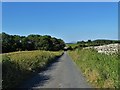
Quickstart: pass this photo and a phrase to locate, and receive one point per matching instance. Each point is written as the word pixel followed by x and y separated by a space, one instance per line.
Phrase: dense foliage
pixel 17 66
pixel 101 70
pixel 96 42
pixel 12 43
pixel 82 44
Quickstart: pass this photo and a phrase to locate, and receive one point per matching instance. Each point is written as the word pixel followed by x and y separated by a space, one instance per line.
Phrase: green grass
pixel 100 70
pixel 0 58
pixel 17 66
pixel 72 45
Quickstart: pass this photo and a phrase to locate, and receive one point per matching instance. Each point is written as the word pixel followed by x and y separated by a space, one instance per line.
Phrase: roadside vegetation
pixel 83 44
pixel 17 66
pixel 0 58
pixel 72 45
pixel 101 70
pixel 98 42
pixel 24 55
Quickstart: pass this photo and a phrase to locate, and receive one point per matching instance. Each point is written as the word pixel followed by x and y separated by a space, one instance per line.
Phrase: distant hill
pixel 98 42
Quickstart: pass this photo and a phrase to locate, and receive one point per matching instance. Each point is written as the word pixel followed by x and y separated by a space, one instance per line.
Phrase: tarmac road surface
pixel 61 74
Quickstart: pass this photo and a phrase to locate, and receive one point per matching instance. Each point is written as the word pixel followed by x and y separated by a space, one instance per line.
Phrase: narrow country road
pixel 61 74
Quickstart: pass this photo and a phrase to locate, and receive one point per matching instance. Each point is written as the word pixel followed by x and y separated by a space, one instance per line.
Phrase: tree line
pixel 96 42
pixel 12 43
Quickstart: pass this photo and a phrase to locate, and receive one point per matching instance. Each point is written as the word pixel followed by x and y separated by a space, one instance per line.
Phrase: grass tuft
pixel 17 66
pixel 101 70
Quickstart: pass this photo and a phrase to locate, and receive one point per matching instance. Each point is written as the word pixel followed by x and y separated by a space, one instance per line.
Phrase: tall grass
pixel 0 58
pixel 101 70
pixel 19 65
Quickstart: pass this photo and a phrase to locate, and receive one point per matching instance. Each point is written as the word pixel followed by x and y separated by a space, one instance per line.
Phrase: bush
pixel 18 66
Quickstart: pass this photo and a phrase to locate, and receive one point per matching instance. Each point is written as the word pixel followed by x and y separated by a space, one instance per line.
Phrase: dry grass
pixel 19 65
pixel 101 70
pixel 108 83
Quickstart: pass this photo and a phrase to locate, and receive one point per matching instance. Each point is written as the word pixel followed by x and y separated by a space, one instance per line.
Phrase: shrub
pixel 17 66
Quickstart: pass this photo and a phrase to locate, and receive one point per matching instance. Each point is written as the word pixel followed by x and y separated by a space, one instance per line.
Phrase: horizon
pixel 63 40
pixel 68 21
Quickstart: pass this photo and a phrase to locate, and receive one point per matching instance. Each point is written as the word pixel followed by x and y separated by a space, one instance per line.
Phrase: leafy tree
pixel 7 43
pixel 31 42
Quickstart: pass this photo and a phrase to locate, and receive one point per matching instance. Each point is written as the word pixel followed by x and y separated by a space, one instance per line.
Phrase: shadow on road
pixel 40 78
pixel 37 80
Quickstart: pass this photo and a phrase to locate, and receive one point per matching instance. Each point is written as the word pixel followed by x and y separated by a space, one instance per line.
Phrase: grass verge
pixel 17 66
pixel 101 70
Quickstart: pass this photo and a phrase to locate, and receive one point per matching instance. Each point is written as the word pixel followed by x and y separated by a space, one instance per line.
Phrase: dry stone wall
pixel 107 49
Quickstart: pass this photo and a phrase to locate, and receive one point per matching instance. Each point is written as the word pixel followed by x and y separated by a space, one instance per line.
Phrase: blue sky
pixel 68 21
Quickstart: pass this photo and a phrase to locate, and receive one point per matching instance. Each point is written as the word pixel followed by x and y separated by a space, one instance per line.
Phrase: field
pixel 18 66
pixel 101 70
pixel 72 45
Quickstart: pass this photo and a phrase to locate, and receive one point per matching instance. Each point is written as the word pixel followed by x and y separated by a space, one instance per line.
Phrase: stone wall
pixel 107 49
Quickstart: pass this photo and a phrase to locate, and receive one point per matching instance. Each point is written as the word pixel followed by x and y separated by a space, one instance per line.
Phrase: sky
pixel 60 0
pixel 70 21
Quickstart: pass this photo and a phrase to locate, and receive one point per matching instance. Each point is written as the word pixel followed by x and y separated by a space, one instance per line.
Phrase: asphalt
pixel 62 74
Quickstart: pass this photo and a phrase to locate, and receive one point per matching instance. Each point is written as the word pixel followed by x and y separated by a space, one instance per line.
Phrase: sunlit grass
pixel 101 70
pixel 19 65
pixel 0 58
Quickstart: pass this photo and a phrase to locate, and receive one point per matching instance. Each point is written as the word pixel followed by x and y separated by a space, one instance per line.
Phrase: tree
pixel 31 42
pixel 7 43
